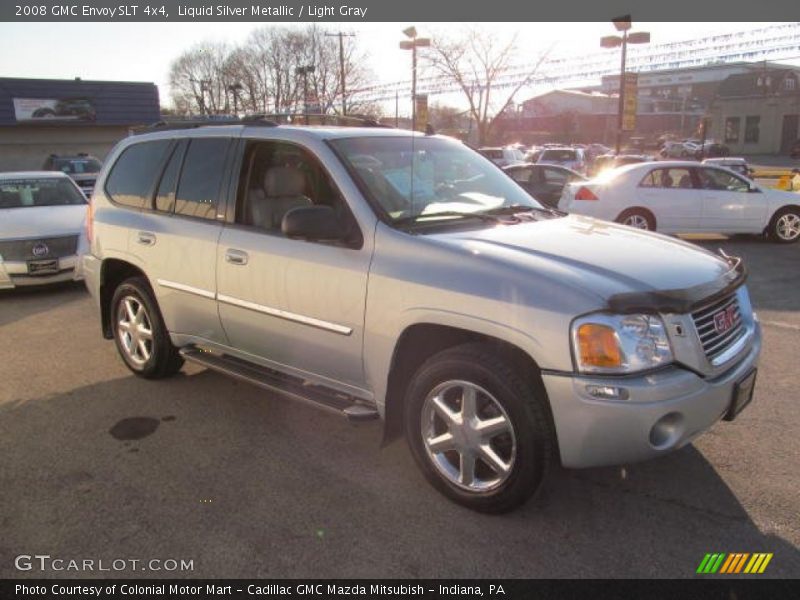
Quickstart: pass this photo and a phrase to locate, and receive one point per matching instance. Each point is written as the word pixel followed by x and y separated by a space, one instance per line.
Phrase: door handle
pixel 235 257
pixel 146 238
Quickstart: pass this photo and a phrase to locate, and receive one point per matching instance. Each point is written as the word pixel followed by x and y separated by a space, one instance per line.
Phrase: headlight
pixel 603 343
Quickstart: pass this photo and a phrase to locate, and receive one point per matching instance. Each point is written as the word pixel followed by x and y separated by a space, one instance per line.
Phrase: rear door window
pixel 201 178
pixel 679 178
pixel 133 176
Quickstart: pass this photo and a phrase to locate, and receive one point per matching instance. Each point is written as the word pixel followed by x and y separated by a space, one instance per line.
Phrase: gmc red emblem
pixel 723 320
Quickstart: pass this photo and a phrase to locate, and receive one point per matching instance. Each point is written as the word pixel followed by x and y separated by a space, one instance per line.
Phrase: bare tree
pixel 199 80
pixel 477 63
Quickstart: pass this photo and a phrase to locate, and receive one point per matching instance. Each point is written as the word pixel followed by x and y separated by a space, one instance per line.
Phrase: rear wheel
pixel 637 218
pixel 139 332
pixel 481 434
pixel 785 226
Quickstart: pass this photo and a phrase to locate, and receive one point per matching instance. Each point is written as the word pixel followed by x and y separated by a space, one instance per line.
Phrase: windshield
pixel 429 176
pixel 75 166
pixel 20 193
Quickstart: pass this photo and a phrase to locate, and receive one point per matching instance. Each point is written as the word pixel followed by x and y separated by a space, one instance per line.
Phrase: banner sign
pixel 54 109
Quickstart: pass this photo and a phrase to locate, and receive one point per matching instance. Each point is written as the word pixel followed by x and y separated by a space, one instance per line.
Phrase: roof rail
pixel 321 119
pixel 164 125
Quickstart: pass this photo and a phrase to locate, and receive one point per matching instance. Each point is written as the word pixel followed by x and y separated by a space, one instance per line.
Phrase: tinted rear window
pixel 559 155
pixel 201 177
pixel 133 176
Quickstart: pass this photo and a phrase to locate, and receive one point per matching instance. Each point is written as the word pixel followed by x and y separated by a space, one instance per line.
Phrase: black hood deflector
pixel 684 300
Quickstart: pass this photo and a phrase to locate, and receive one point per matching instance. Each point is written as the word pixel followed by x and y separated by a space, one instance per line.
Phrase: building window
pixel 790 83
pixel 732 125
pixel 751 130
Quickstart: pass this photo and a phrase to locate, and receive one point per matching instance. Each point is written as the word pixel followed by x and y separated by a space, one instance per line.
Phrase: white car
pixel 42 214
pixel 503 156
pixel 684 197
pixel 571 158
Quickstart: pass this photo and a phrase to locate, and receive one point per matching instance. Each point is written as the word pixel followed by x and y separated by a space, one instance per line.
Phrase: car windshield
pixel 558 155
pixel 74 166
pixel 31 192
pixel 423 177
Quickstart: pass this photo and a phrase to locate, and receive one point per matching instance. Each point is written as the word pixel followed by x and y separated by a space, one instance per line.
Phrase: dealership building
pixel 39 117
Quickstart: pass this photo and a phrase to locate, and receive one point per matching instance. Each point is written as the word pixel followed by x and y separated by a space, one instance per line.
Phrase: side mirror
pixel 313 223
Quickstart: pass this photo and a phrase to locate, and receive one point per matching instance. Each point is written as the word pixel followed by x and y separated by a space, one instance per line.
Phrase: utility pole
pixel 304 72
pixel 341 35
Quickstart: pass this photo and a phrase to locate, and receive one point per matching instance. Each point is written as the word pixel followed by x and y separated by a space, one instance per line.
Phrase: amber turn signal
pixel 598 346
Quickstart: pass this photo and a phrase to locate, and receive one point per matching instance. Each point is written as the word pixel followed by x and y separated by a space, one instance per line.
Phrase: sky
pixel 143 51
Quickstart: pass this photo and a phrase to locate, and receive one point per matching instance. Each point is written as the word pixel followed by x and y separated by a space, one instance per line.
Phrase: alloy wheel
pixel 468 436
pixel 788 227
pixel 135 330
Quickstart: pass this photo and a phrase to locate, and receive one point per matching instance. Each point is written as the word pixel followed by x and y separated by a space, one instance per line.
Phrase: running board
pixel 354 409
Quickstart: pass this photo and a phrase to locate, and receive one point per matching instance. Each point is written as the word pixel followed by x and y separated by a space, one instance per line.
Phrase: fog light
pixel 608 392
pixel 667 431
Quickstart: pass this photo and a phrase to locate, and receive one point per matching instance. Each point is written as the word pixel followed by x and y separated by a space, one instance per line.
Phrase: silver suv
pixel 378 273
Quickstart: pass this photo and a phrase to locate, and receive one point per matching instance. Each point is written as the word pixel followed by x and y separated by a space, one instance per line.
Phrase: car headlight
pixel 618 344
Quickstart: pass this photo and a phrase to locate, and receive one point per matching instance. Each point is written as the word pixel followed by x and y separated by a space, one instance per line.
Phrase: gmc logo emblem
pixel 723 320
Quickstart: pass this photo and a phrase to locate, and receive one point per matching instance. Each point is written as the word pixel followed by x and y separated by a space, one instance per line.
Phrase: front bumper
pixel 593 432
pixel 15 274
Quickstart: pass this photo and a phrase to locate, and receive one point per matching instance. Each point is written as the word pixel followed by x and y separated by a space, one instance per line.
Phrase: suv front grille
pixel 719 325
pixel 57 247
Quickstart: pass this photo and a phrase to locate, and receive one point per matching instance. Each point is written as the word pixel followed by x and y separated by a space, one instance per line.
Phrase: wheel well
pixel 418 343
pixel 113 273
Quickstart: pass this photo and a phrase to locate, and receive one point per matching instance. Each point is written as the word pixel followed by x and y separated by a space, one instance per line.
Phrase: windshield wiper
pixel 449 214
pixel 516 209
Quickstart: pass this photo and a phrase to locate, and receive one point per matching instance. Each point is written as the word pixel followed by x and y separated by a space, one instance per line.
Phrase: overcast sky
pixel 143 51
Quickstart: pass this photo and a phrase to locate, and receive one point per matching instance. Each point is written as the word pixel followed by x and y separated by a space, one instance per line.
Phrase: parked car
pixel 571 158
pixel 683 149
pixel 543 182
pixel 381 273
pixel 41 219
pixel 612 161
pixel 82 167
pixel 711 149
pixel 502 157
pixel 684 197
pixel 738 165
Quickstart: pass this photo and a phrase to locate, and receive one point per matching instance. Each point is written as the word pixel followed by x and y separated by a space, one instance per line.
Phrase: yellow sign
pixel 421 110
pixel 629 122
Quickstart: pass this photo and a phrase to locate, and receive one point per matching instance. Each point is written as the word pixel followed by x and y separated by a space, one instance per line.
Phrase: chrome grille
pixel 57 247
pixel 715 342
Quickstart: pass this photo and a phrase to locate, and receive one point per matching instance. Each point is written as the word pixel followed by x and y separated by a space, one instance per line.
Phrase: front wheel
pixel 785 226
pixel 481 434
pixel 139 332
pixel 638 219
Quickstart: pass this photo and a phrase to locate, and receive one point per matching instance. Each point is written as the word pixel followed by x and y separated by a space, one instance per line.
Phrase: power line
pixel 774 42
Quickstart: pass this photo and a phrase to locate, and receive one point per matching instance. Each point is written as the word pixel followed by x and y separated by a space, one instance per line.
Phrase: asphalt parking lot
pixel 249 485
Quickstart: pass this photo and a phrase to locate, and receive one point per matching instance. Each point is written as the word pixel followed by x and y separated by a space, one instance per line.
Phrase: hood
pixel 604 259
pixel 41 221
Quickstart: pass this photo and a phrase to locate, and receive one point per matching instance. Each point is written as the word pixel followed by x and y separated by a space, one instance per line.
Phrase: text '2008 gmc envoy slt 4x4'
pixel 380 273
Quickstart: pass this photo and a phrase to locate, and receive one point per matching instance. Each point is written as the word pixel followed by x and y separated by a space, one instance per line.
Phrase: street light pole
pixel 621 107
pixel 623 24
pixel 412 44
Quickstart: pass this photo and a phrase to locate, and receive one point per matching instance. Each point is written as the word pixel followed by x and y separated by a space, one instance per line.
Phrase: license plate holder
pixel 46 266
pixel 742 395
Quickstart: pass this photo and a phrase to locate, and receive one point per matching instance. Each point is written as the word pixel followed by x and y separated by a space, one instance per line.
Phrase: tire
pixel 637 218
pixel 521 443
pixel 154 356
pixel 784 228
